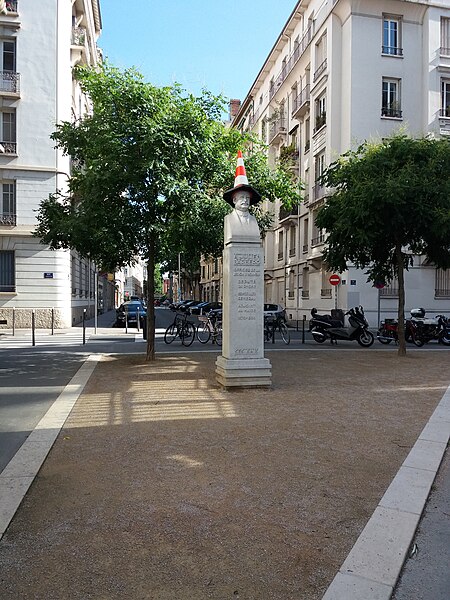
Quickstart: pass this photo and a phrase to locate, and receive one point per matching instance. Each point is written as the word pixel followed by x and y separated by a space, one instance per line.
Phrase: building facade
pixel 341 72
pixel 40 45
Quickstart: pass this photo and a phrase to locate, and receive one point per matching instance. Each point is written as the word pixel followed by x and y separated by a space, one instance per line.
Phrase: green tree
pixel 149 166
pixel 391 201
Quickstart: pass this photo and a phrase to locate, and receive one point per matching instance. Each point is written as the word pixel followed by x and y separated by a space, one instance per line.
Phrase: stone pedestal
pixel 242 363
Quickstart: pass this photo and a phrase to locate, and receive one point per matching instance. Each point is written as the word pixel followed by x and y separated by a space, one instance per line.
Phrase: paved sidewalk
pixel 162 486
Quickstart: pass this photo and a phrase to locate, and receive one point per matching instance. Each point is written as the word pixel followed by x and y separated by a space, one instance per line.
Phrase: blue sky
pixel 217 44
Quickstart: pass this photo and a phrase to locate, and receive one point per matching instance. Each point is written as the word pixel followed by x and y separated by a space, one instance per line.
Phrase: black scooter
pixel 325 327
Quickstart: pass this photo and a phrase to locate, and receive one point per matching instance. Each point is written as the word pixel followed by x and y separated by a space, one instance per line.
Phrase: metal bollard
pixel 137 324
pixel 14 322
pixel 84 326
pixel 53 321
pixel 303 329
pixel 126 321
pixel 33 326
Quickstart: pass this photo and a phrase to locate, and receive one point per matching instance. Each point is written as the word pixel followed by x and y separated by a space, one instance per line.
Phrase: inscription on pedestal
pixel 246 272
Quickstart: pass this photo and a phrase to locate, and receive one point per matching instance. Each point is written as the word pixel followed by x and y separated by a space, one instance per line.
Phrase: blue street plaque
pixel 48 275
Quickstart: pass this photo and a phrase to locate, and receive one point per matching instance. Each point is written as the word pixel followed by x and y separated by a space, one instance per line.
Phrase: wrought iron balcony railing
pixel 285 213
pixel 305 293
pixel 7 219
pixel 292 60
pixel 391 112
pixel 325 293
pixel 280 256
pixel 305 248
pixel 392 50
pixel 301 100
pixel 9 82
pixel 277 127
pixel 444 51
pixel 445 112
pixel 8 147
pixel 319 239
pixel 292 251
pixel 442 293
pixel 320 69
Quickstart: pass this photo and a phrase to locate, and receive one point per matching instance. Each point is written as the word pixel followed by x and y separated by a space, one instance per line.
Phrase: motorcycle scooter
pixel 324 327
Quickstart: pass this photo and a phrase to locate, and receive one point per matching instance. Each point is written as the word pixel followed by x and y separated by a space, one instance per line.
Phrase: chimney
pixel 235 105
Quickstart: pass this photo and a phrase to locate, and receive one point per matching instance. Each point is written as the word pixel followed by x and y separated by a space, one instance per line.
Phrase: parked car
pixel 275 311
pixel 204 307
pixel 129 310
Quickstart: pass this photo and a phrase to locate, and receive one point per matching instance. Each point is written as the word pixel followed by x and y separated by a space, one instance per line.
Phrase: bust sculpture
pixel 240 225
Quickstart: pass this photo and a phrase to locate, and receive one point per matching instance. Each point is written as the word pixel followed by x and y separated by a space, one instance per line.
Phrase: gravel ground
pixel 162 486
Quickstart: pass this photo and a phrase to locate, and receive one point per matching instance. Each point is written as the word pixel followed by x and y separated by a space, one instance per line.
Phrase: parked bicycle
pixel 180 328
pixel 210 326
pixel 273 324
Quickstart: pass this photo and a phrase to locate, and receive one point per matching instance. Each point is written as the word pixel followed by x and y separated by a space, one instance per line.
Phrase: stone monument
pixel 242 363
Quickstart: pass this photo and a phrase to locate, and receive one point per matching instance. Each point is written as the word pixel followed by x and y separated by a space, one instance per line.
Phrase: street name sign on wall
pixel 334 279
pixel 48 275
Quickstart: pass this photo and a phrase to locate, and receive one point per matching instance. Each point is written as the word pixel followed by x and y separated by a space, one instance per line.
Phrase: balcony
pixel 78 36
pixel 287 213
pixel 280 255
pixel 445 113
pixel 320 70
pixel 8 147
pixel 9 82
pixel 292 251
pixel 391 113
pixel 391 51
pixel 319 193
pixel 8 219
pixel 305 248
pixel 316 241
pixel 320 121
pixel 301 103
pixel 306 200
pixel 291 62
pixel 325 293
pixel 277 130
pixel 444 51
pixel 305 294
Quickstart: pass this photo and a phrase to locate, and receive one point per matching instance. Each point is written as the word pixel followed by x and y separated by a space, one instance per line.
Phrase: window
pixel 445 98
pixel 292 233
pixel 291 284
pixel 8 132
pixel 280 245
pixel 321 113
pixel 305 281
pixel 271 88
pixel 325 291
pixel 390 101
pixel 264 130
pixel 307 135
pixel 305 236
pixel 391 36
pixel 445 36
pixel 8 203
pixel 7 271
pixel 442 285
pixel 9 80
pixel 321 57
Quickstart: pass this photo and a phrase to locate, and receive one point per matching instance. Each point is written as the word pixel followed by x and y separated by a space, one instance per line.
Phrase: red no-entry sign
pixel 334 279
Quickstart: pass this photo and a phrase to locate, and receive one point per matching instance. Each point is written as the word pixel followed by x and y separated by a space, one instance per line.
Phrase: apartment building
pixel 40 44
pixel 340 72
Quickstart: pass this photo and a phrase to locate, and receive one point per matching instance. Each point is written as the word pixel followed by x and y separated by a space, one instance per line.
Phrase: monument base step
pixel 243 373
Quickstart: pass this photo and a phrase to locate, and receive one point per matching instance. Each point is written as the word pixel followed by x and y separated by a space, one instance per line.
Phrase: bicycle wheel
pixel 203 333
pixel 171 333
pixel 187 334
pixel 218 332
pixel 285 335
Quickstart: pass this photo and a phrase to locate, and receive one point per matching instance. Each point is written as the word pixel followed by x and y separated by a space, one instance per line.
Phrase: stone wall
pixel 21 318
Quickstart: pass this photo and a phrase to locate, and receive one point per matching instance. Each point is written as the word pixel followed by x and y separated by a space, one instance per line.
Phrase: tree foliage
pixel 390 201
pixel 149 166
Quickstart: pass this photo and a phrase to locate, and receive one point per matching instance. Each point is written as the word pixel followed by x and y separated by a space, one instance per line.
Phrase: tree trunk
pixel 401 301
pixel 151 300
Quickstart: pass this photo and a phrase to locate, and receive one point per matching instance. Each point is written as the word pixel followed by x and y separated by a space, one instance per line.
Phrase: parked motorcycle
pixel 437 328
pixel 325 327
pixel 418 329
pixel 388 332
